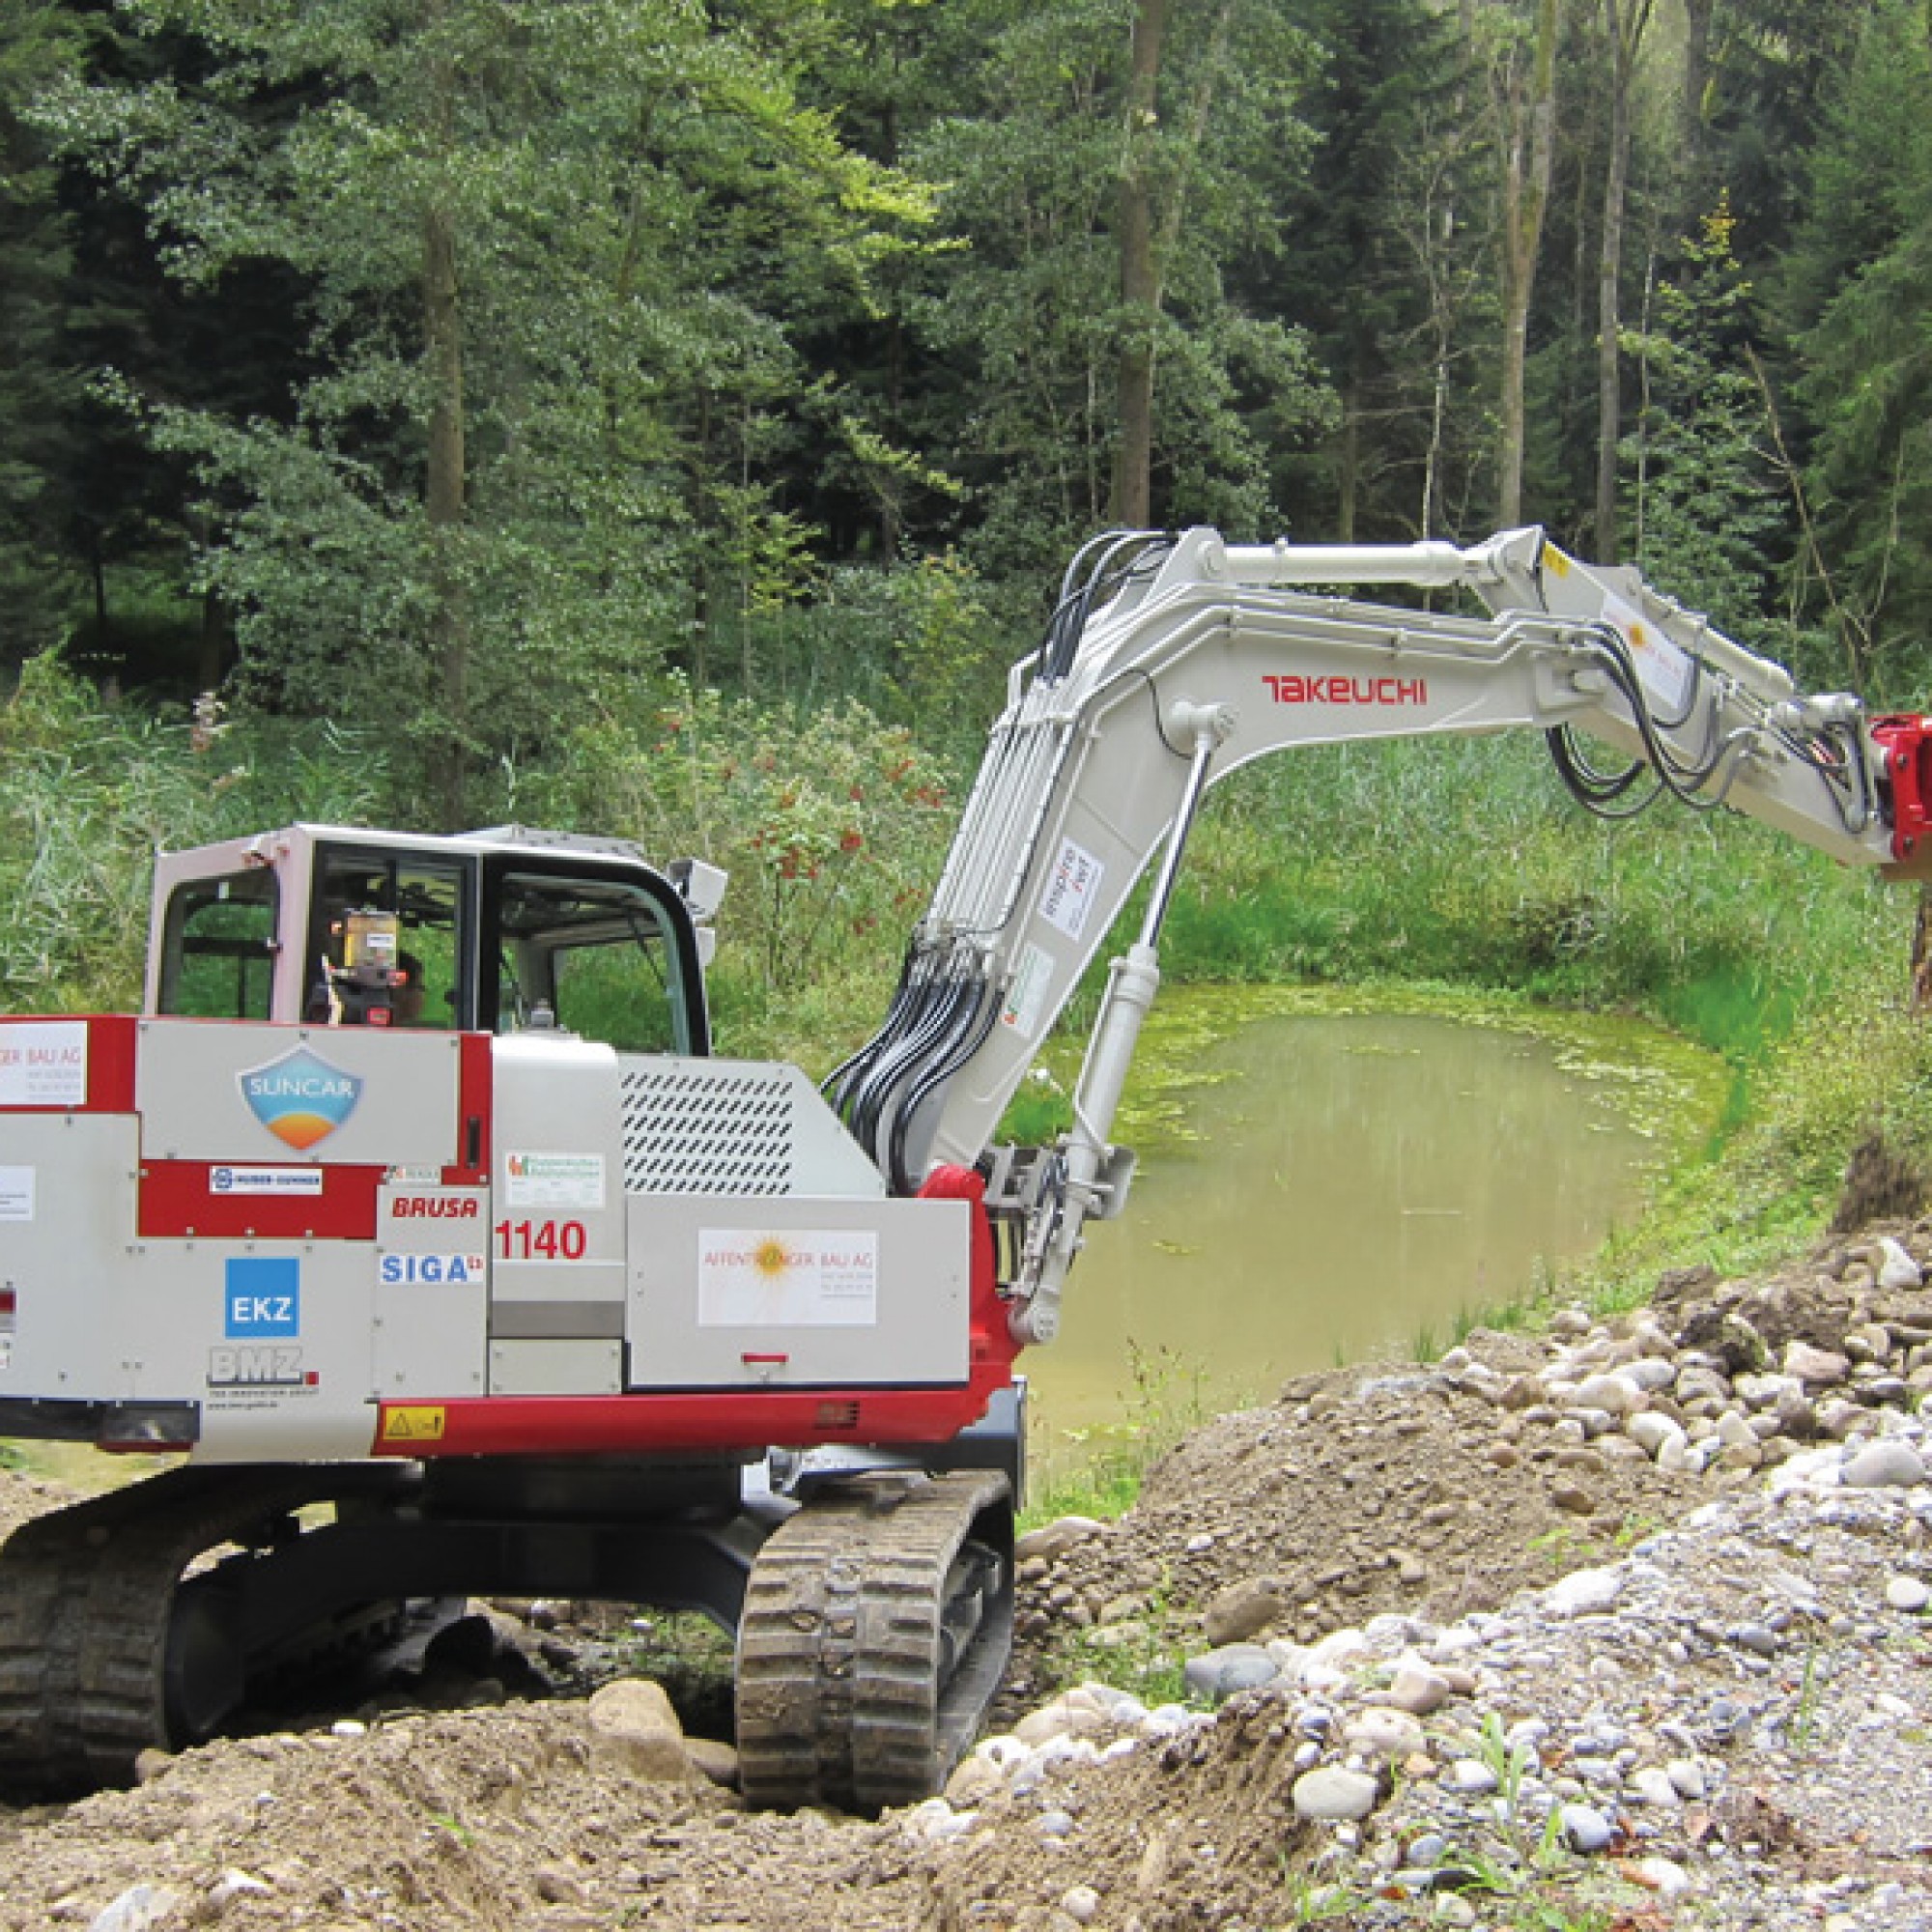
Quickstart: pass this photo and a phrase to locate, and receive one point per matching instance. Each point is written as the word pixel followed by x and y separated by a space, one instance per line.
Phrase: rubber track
pixel 841 1647
pixel 85 1598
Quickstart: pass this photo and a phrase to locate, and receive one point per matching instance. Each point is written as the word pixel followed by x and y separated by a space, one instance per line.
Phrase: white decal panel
pixel 1027 994
pixel 264 1180
pixel 1664 670
pixel 16 1193
pixel 790 1278
pixel 554 1180
pixel 1071 888
pixel 44 1063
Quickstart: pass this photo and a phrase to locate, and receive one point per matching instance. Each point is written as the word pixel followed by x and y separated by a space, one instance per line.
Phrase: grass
pixel 1164 1404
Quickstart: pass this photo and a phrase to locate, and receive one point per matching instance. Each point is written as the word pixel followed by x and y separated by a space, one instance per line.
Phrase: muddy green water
pixel 1329 1187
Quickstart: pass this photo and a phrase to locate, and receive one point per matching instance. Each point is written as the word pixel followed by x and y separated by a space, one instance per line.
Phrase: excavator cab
pixel 497 931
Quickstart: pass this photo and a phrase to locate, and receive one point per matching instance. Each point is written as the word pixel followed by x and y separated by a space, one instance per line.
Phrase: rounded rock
pixel 1330 1793
pixel 1584 1828
pixel 1888 1464
pixel 1218 1674
pixel 1907 1593
pixel 1381 1731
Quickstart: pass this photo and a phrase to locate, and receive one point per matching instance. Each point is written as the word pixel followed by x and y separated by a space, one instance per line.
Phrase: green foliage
pixel 39 385
pixel 1858 287
pixel 514 476
pixel 1699 503
pixel 87 794
pixel 1029 319
pixel 831 823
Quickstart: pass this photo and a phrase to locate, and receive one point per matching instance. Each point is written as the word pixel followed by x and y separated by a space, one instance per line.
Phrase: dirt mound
pixel 1412 1494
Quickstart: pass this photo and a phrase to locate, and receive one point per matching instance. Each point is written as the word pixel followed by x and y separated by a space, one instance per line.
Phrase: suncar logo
pixel 260 1298
pixel 300 1098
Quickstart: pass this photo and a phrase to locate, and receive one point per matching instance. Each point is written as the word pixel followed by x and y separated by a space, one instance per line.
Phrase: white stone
pixel 1050 1721
pixel 1472 1776
pixel 1817 1368
pixel 1080 1904
pixel 1584 1592
pixel 1734 1431
pixel 1898 1270
pixel 1053 1539
pixel 235 1884
pixel 1335 1794
pixel 1885 1464
pixel 1380 1731
pixel 1687 1776
pixel 1419 1690
pixel 139 1909
pixel 1004 1752
pixel 1650 1432
pixel 1339 1647
pixel 1654 1786
pixel 1907 1593
pixel 1662 1877
pixel 1618 1393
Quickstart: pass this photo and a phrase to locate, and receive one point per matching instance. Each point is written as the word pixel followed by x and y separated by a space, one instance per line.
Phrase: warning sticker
pixel 794 1278
pixel 44 1063
pixel 16 1193
pixel 1026 995
pixel 554 1180
pixel 1071 888
pixel 413 1423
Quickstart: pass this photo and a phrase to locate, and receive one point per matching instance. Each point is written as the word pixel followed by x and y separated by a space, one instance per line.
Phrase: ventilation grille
pixel 695 1129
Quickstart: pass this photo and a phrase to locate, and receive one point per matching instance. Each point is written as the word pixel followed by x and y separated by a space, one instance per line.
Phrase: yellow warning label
pixel 415 1424
pixel 1554 561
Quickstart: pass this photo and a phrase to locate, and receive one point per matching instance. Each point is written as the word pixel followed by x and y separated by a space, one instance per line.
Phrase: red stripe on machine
pixel 179 1199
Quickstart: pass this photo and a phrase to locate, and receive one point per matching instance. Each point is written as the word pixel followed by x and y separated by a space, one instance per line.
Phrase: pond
pixel 1319 1189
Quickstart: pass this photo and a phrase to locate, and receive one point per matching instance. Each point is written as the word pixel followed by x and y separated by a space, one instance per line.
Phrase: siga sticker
pixel 300 1098
pixel 456 1270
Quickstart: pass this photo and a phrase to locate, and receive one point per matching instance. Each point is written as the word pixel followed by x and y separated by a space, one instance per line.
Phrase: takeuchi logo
pixel 300 1098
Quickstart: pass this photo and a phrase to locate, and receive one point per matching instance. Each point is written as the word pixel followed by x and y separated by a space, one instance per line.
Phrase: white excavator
pixel 416 1215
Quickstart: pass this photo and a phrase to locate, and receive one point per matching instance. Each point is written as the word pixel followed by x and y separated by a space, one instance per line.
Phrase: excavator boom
pixel 1171 663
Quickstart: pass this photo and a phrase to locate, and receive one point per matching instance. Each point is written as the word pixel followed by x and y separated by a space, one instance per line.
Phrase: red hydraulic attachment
pixel 1906 740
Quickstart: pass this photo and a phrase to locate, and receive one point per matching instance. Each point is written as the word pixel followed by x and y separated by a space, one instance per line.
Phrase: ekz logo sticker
pixel 300 1098
pixel 260 1298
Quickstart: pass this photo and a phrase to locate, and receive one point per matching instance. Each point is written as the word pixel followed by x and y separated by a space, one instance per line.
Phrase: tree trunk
pixel 1348 480
pixel 1625 30
pixel 1528 145
pixel 444 503
pixel 1697 79
pixel 1140 275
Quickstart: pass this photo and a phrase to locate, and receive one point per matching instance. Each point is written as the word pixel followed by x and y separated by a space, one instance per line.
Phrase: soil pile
pixel 1345 1572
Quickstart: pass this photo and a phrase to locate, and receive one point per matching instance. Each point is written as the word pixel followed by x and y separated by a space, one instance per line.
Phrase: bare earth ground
pixel 1389 1493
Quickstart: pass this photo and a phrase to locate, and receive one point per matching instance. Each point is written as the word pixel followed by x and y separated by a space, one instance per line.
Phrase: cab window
pixel 600 955
pixel 420 901
pixel 219 947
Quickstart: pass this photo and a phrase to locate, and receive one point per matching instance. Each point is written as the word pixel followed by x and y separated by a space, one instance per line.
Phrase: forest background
pixel 670 419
